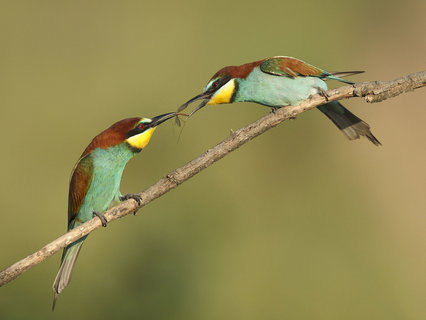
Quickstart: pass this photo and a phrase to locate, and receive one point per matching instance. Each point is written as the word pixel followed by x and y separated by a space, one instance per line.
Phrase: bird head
pixel 222 87
pixel 136 132
pixel 139 136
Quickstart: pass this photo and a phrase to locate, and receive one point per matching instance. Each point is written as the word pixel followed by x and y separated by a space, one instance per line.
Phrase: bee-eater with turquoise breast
pixel 281 81
pixel 95 180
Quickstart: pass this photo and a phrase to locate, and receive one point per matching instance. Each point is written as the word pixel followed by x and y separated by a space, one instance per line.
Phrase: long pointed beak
pixel 202 104
pixel 206 96
pixel 162 118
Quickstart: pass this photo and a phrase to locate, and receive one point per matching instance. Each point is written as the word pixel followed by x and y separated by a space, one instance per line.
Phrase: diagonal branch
pixel 374 91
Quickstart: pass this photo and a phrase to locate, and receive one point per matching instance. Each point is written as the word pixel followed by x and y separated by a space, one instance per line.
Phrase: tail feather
pixel 339 76
pixel 352 126
pixel 63 277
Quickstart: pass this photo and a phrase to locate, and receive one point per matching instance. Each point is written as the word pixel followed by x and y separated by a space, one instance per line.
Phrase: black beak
pixel 206 96
pixel 160 119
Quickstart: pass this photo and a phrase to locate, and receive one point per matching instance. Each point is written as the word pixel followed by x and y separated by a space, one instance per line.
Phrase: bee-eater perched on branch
pixel 281 81
pixel 95 180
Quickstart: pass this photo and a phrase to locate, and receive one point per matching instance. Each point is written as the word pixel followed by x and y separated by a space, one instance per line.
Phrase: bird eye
pixel 215 84
pixel 141 126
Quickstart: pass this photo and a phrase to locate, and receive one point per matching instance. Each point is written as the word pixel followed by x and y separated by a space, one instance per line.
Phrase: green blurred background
pixel 298 224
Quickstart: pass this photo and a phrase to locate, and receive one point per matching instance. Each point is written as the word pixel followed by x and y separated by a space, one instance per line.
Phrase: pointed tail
pixel 67 264
pixel 352 126
pixel 339 76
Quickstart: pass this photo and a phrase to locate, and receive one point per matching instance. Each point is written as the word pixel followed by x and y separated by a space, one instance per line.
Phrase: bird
pixel 95 180
pixel 277 82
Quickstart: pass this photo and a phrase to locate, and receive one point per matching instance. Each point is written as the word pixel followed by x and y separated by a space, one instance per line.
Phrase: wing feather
pixel 81 179
pixel 290 67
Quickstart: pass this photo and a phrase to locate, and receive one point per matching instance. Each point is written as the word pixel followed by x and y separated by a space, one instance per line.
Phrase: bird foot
pixel 323 93
pixel 274 109
pixel 133 196
pixel 101 217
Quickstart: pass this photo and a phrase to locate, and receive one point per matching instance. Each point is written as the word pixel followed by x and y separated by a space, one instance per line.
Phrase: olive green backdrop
pixel 298 224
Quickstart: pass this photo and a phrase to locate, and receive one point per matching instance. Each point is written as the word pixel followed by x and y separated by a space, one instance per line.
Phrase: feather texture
pixel 290 67
pixel 81 179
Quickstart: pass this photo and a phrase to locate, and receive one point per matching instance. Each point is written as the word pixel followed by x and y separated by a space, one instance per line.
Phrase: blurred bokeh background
pixel 298 224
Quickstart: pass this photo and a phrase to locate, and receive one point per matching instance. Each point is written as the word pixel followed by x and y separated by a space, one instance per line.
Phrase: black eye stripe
pixel 220 82
pixel 141 127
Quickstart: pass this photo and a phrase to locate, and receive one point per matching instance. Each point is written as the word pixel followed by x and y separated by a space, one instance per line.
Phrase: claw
pixel 274 109
pixel 102 217
pixel 323 93
pixel 133 196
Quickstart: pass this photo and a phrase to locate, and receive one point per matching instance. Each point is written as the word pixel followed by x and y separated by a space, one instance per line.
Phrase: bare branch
pixel 374 91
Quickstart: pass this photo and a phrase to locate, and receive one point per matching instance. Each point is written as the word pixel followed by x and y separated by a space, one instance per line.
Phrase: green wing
pixel 290 67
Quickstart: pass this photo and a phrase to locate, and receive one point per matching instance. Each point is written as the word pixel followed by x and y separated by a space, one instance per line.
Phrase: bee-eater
pixel 281 81
pixel 95 180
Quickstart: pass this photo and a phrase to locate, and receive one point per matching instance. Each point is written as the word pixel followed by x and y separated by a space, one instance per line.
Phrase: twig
pixel 374 91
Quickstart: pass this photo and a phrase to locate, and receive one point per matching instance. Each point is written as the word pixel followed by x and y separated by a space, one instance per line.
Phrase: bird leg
pixel 133 196
pixel 102 217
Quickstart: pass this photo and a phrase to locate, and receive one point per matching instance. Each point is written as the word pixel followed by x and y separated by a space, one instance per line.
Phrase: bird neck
pixel 115 157
pixel 247 89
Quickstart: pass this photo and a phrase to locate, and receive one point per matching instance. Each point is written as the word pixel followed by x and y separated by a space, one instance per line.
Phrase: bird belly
pixel 108 169
pixel 99 196
pixel 277 91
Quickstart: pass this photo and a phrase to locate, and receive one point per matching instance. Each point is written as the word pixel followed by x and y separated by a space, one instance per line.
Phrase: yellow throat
pixel 140 140
pixel 224 94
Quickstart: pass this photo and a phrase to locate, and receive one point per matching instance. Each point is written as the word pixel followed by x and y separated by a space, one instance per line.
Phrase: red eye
pixel 215 84
pixel 141 126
